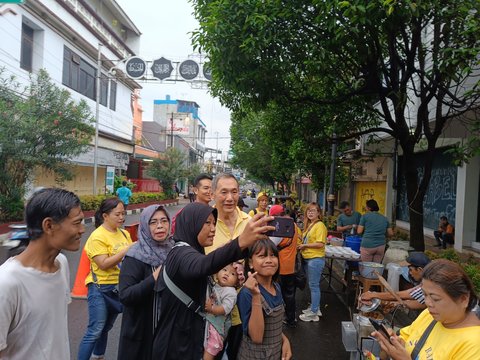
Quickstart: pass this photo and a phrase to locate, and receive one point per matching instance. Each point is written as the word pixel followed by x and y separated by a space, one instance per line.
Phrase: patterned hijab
pixel 146 249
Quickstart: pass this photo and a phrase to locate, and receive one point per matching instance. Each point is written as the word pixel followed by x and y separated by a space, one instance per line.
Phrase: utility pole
pixel 171 131
pixel 331 190
pixel 97 115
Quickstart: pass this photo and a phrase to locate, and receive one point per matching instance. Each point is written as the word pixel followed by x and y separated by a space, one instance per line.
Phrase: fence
pixel 144 185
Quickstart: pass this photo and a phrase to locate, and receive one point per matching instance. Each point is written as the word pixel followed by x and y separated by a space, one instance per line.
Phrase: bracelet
pixel 257 304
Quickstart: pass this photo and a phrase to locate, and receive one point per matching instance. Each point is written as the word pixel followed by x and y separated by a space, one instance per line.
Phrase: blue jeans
pixel 100 321
pixel 314 273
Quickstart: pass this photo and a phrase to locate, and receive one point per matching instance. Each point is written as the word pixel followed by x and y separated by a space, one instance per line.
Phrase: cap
pixel 241 204
pixel 260 194
pixel 418 259
pixel 276 210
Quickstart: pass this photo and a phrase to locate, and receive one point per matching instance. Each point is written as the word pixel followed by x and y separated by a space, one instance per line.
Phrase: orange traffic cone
pixel 79 290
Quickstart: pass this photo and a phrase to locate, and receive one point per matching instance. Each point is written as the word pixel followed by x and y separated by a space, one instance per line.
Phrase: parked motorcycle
pixel 17 240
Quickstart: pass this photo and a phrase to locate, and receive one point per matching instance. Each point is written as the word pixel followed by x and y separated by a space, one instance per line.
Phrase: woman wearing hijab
pixel 180 330
pixel 138 275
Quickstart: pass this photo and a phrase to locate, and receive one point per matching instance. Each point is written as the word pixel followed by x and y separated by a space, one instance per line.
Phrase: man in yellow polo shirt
pixel 230 223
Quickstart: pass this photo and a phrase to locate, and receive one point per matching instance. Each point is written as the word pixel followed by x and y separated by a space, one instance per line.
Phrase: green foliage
pixel 345 67
pixel 192 172
pixel 470 264
pixel 41 126
pixel 118 181
pixel 92 202
pixel 168 169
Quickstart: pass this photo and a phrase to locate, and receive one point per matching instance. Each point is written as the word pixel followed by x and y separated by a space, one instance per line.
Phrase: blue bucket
pixel 353 242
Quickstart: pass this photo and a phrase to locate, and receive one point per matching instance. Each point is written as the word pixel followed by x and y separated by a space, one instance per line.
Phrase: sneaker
pixel 309 317
pixel 308 311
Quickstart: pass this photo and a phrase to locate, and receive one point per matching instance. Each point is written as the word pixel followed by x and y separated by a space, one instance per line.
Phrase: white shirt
pixel 33 312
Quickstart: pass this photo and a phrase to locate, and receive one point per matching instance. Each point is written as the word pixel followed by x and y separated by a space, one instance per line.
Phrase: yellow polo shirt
pixel 222 237
pixel 222 232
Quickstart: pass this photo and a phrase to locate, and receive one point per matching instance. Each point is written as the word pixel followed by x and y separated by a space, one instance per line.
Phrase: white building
pixel 63 36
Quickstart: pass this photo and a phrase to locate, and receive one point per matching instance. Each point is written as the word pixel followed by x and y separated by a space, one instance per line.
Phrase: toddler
pixel 218 306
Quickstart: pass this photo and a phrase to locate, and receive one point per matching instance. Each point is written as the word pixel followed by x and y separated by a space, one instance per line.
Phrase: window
pixel 26 49
pixel 78 74
pixel 113 95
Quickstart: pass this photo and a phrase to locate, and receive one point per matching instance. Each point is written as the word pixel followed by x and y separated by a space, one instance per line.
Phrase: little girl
pixel 261 307
pixel 218 306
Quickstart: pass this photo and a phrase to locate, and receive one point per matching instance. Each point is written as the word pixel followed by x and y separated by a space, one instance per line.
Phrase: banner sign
pixel 180 124
pixel 162 69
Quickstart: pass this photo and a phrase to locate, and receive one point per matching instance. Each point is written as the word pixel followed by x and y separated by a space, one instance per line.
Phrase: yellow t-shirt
pixel 104 242
pixel 442 343
pixel 251 213
pixel 316 234
pixel 222 232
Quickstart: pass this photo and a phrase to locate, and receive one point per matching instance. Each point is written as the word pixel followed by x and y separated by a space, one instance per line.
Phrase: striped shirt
pixel 417 294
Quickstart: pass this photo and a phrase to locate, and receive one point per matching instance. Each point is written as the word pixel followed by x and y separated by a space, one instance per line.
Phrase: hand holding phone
pixel 381 329
pixel 284 227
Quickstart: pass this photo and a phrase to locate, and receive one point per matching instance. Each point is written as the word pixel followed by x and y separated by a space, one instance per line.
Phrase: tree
pixel 192 172
pixel 168 169
pixel 41 126
pixel 406 66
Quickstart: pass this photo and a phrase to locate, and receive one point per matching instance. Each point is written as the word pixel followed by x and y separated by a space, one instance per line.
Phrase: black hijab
pixel 190 221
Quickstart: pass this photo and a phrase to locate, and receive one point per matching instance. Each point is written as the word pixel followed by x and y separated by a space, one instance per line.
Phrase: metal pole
pixel 171 131
pixel 97 118
pixel 331 194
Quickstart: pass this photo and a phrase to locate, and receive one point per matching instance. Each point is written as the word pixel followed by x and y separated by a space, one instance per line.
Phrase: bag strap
pixel 422 340
pixel 180 294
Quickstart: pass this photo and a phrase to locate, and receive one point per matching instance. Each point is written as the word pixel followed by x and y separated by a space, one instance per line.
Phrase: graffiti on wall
pixel 366 190
pixel 441 196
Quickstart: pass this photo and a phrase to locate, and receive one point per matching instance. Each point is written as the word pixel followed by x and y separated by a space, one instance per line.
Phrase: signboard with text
pixel 180 124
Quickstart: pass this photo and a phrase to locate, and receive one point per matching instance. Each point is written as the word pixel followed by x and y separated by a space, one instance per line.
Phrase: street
pixel 321 340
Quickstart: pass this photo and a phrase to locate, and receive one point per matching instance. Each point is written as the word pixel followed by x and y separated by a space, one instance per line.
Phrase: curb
pixel 91 219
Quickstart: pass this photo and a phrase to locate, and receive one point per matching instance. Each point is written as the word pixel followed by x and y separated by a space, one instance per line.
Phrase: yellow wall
pixel 81 184
pixel 366 190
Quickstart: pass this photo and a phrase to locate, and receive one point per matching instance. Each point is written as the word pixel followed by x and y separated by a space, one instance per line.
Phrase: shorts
pixel 214 341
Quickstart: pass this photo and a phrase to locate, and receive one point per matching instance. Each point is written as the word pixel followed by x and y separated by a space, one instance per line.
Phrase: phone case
pixel 284 227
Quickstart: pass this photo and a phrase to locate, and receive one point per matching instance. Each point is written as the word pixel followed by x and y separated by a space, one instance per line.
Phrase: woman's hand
pixel 301 247
pixel 286 348
pixel 252 283
pixel 255 230
pixel 394 347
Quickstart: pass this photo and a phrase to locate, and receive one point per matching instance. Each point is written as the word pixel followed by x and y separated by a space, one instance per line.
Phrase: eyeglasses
pixel 163 221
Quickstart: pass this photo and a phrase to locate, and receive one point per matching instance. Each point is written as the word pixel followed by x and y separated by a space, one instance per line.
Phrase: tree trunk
pixel 415 202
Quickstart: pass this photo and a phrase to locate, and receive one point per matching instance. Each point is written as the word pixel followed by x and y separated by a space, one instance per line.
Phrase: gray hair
pixel 223 176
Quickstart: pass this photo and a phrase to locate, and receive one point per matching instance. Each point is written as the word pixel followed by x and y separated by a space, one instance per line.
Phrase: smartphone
pixel 284 227
pixel 380 328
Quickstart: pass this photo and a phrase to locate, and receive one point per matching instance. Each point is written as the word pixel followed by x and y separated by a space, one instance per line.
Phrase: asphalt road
pixel 321 340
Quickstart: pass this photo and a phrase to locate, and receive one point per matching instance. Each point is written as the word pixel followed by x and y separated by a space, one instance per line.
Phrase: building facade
pixel 63 37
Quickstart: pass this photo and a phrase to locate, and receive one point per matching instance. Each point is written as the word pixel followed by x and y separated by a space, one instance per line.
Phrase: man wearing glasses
pixel 413 298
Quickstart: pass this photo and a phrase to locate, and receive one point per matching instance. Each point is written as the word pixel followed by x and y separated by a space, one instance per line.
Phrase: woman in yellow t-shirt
pixel 106 247
pixel 313 254
pixel 451 303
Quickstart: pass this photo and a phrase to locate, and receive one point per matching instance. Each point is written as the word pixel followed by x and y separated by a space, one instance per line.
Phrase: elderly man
pixel 414 297
pixel 230 223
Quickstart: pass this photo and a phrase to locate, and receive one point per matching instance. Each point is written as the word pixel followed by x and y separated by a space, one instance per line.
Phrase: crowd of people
pixel 215 287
